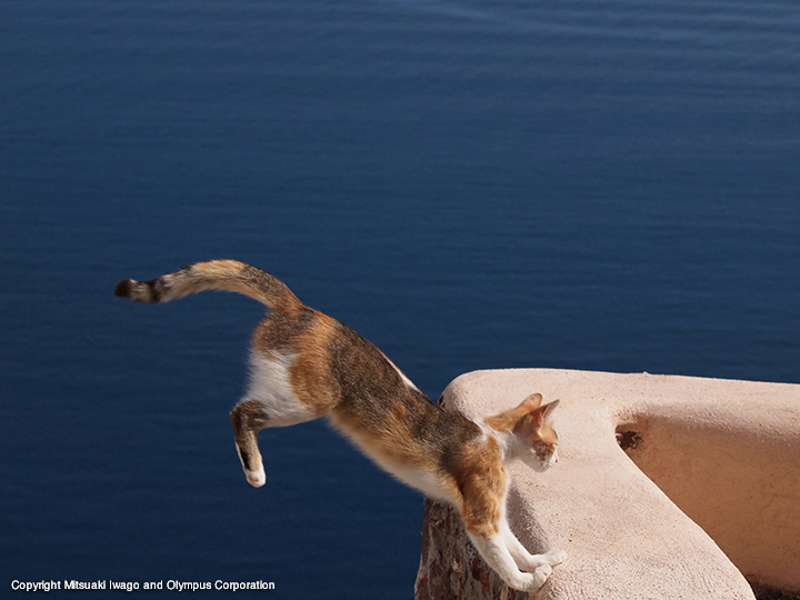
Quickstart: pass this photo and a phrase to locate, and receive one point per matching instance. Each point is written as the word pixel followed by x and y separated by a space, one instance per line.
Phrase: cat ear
pixel 547 409
pixel 542 414
pixel 532 402
pixel 505 421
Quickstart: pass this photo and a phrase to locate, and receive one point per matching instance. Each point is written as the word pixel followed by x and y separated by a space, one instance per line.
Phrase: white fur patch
pixel 553 459
pixel 419 479
pixel 256 478
pixel 403 376
pixel 270 385
pixel 541 464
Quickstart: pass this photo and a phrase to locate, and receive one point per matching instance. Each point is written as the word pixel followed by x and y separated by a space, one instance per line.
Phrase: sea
pixel 491 184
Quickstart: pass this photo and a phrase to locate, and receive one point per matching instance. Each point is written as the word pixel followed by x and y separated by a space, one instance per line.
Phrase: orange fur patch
pixel 391 440
pixel 483 483
pixel 220 269
pixel 310 375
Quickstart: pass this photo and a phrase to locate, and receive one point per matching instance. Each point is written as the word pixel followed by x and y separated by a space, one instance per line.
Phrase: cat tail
pixel 226 275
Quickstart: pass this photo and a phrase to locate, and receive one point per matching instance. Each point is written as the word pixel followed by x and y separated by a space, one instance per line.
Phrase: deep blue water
pixel 609 186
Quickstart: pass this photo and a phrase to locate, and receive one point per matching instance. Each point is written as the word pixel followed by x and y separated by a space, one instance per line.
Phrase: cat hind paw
pixel 256 478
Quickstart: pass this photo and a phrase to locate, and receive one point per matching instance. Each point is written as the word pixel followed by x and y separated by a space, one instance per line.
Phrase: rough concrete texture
pixel 726 452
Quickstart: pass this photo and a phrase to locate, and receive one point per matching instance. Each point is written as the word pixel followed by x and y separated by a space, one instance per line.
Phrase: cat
pixel 305 365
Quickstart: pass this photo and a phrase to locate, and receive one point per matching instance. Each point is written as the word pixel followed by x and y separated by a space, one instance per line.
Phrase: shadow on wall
pixel 733 483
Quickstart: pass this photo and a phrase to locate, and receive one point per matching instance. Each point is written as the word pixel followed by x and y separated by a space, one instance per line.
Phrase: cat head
pixel 532 437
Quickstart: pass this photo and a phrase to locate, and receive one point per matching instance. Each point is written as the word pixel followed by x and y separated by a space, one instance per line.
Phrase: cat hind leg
pixel 251 416
pixel 247 419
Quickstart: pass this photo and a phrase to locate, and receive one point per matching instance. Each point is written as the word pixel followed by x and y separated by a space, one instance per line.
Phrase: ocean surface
pixel 470 185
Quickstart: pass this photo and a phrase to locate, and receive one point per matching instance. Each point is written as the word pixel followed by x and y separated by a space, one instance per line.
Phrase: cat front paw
pixel 538 578
pixel 555 557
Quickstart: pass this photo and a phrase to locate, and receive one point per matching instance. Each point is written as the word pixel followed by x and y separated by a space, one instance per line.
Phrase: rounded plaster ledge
pixel 667 487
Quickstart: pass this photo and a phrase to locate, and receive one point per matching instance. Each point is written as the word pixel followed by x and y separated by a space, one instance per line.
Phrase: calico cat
pixel 307 365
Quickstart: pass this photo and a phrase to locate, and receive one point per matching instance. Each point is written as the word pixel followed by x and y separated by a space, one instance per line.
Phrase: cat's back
pixel 376 393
